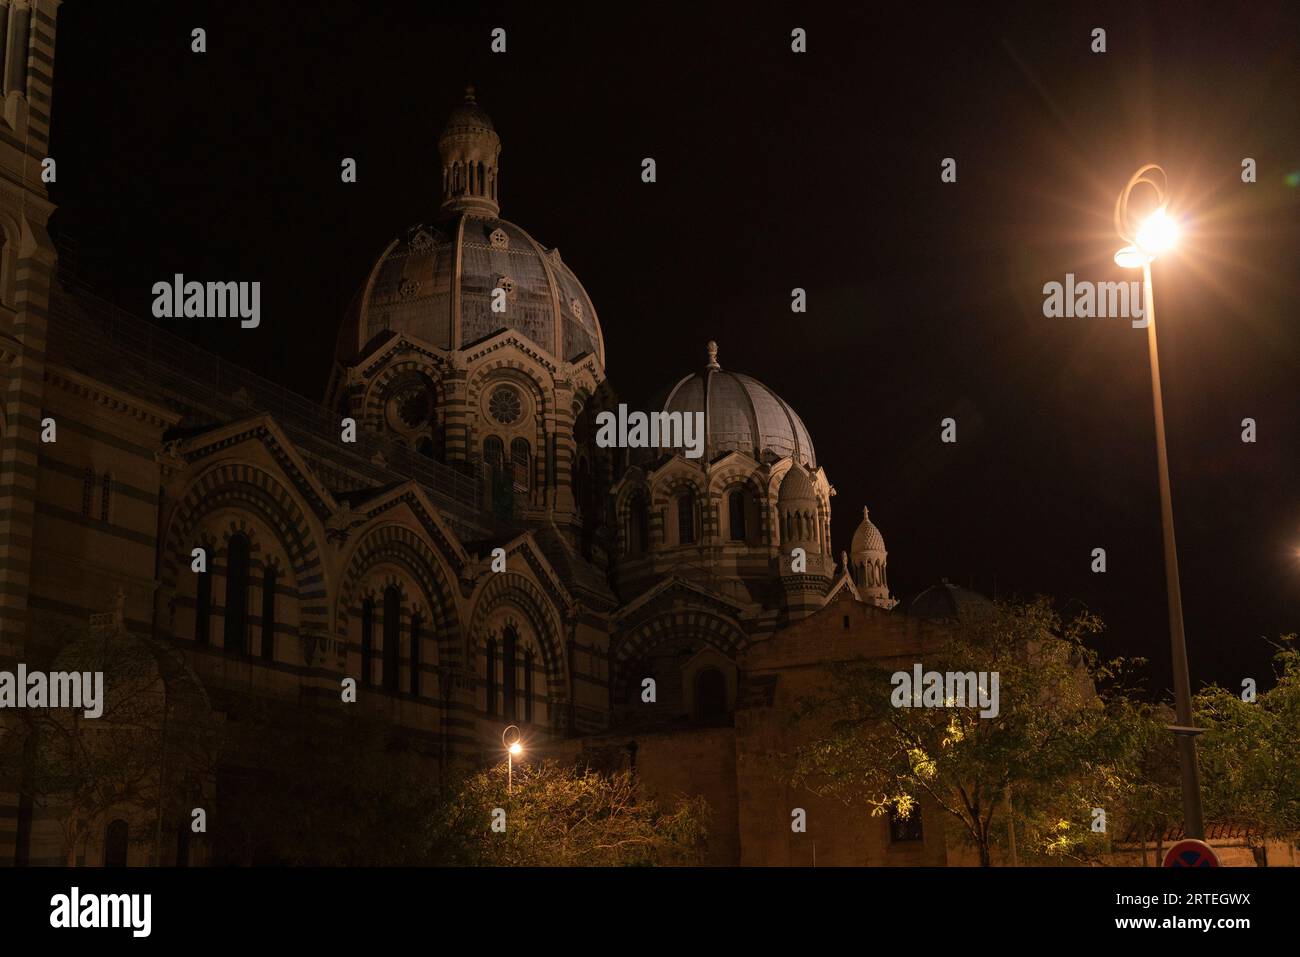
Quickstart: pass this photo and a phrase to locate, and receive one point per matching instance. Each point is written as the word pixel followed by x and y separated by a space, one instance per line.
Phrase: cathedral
pixel 441 526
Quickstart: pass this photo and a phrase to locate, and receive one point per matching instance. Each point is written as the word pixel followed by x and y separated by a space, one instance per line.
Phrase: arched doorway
pixel 115 843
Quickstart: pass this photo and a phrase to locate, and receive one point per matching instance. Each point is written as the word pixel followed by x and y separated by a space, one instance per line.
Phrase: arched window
pixel 736 514
pixel 710 694
pixel 8 249
pixel 416 622
pixel 582 495
pixel 528 685
pixel 203 607
pixel 392 633
pixel 115 844
pixel 480 188
pixel 510 646
pixel 638 526
pixel 236 622
pixel 493 453
pixel 105 496
pixel 686 518
pixel 520 462
pixel 490 699
pixel 367 638
pixel 582 485
pixel 268 613
pixel 87 492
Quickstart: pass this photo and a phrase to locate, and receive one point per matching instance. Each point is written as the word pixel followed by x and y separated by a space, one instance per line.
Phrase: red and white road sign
pixel 1191 853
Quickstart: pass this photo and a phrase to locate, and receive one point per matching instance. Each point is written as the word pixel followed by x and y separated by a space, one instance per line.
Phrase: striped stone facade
pixel 471 524
pixel 27 264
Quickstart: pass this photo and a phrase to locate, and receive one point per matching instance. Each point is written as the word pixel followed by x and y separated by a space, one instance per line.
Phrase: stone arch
pixel 514 593
pixel 377 390
pixel 665 489
pixel 761 508
pixel 517 371
pixel 512 369
pixel 242 487
pixel 634 495
pixel 715 630
pixel 408 550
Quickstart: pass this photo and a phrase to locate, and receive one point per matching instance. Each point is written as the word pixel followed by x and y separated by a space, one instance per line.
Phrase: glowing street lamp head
pixel 1130 257
pixel 516 749
pixel 1157 234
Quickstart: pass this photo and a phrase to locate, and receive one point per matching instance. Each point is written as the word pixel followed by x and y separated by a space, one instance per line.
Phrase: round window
pixel 410 407
pixel 504 405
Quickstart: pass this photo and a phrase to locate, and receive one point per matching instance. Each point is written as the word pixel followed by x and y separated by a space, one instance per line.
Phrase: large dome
pixel 435 282
pixel 742 415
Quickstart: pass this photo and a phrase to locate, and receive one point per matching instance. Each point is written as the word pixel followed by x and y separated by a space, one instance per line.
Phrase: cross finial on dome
pixel 469 93
pixel 866 512
pixel 713 355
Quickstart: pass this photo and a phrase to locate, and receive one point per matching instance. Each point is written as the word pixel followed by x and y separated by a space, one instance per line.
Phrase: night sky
pixel 778 170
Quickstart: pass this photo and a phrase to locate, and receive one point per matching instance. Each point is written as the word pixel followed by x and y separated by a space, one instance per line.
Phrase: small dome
pixel 741 415
pixel 468 117
pixel 867 538
pixel 796 489
pixel 946 601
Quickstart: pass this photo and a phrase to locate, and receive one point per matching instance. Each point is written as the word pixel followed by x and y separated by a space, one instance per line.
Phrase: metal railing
pixel 95 337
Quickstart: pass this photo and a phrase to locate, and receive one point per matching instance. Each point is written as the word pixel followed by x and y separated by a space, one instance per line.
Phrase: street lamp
pixel 513 748
pixel 1157 234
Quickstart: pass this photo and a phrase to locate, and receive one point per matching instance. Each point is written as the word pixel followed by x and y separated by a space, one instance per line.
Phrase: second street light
pixel 513 748
pixel 1154 236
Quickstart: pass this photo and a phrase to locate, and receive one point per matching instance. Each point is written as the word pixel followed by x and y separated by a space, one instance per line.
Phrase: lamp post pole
pixel 1156 235
pixel 1184 731
pixel 512 747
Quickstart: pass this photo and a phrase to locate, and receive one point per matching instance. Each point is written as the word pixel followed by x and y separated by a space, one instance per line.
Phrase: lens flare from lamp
pixel 516 748
pixel 1158 234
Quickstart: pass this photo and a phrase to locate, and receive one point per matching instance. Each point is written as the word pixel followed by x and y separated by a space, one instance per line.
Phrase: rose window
pixel 504 405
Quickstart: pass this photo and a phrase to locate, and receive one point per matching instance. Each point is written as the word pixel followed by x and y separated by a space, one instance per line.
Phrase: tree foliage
pixel 156 729
pixel 560 815
pixel 1249 755
pixel 1056 750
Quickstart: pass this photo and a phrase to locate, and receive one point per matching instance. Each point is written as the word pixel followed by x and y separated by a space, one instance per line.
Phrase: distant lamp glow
pixel 510 741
